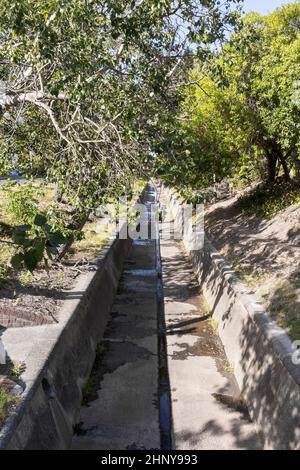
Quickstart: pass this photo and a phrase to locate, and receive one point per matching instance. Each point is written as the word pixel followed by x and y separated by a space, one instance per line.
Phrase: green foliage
pixel 3 272
pixel 284 306
pixel 7 401
pixel 99 80
pixel 21 203
pixel 241 116
pixel 17 369
pixel 88 97
pixel 38 233
pixel 268 199
pixel 214 324
pixel 196 197
pixel 260 67
pixel 37 242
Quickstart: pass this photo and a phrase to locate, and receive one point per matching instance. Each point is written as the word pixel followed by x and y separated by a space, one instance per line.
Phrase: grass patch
pixel 26 278
pixel 90 389
pixel 6 252
pixel 205 307
pixel 17 370
pixel 229 367
pixel 91 242
pixel 4 271
pixel 214 324
pixel 268 199
pixel 251 278
pixel 284 306
pixel 7 402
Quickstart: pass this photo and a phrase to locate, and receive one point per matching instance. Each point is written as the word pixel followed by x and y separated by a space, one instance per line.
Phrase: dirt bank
pixel 265 253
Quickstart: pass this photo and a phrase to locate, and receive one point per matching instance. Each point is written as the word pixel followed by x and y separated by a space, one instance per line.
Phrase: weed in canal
pixel 89 392
pixel 17 370
pixel 214 324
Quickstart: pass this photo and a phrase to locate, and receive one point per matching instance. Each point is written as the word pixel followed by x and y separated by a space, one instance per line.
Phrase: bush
pixel 196 197
pixel 21 204
pixel 7 401
pixel 268 199
pixel 36 243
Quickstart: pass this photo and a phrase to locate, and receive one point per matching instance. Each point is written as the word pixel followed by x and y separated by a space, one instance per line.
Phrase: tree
pixel 99 72
pixel 88 87
pixel 246 106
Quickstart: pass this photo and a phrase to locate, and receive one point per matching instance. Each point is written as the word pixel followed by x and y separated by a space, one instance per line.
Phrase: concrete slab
pixel 207 410
pixel 58 358
pixel 125 413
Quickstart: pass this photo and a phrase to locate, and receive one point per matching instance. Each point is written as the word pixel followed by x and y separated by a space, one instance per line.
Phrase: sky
pixel 264 6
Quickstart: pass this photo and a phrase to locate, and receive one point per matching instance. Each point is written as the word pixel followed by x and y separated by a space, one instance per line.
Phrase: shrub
pixel 7 401
pixel 21 204
pixel 268 199
pixel 36 243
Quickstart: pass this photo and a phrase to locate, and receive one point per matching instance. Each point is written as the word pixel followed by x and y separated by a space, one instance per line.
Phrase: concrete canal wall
pixel 59 358
pixel 260 352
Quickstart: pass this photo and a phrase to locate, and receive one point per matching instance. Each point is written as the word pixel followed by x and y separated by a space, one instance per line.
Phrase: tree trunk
pixel 272 161
pixel 65 248
pixel 285 167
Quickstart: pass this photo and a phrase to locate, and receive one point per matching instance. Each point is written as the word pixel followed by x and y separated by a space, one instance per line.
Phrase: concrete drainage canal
pixel 135 361
pixel 161 379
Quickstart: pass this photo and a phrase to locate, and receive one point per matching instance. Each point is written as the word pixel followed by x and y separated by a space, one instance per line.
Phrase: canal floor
pixel 161 379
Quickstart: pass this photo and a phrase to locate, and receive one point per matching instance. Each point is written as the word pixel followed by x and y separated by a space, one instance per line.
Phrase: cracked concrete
pixel 125 414
pixel 206 409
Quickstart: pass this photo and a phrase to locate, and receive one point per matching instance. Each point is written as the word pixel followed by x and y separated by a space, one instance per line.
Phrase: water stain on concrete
pixel 109 357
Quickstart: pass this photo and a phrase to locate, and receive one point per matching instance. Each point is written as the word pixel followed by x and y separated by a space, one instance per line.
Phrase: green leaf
pixel 30 260
pixel 23 228
pixel 40 220
pixel 17 260
pixel 56 238
pixel 52 250
pixel 39 250
pixel 18 237
pixel 47 228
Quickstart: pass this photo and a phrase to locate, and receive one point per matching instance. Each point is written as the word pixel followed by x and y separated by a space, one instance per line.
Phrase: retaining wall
pixel 59 358
pixel 260 352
